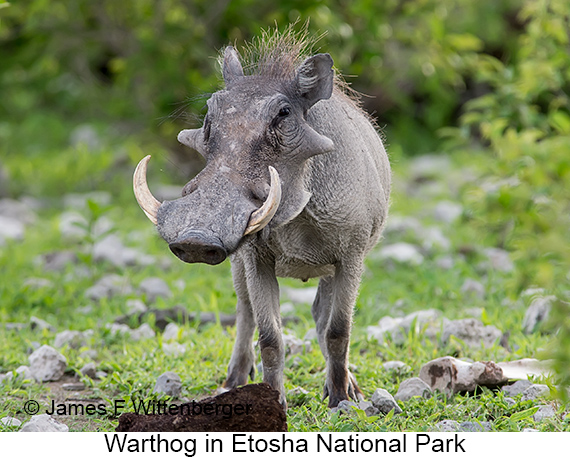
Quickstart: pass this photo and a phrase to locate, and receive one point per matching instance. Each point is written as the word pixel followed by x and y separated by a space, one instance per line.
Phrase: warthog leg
pixel 242 362
pixel 332 311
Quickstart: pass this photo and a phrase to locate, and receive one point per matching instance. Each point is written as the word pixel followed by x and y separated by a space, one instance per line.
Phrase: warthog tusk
pixel 261 217
pixel 146 200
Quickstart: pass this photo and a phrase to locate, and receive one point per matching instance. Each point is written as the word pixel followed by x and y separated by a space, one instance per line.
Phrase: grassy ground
pixel 388 288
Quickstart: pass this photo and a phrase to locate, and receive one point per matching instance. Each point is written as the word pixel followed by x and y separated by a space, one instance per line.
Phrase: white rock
pixel 72 338
pixel 115 328
pixel 523 368
pixel 445 262
pixel 433 238
pixel 136 305
pixel 10 421
pixel 72 225
pixel 46 364
pixel 396 365
pixel 11 228
pixel 537 313
pixel 78 201
pixel 153 288
pixel 474 288
pixel 402 253
pixel 171 332
pixel 109 286
pixel 311 334
pixel 44 423
pixel 294 345
pixel 300 296
pixel 384 401
pixel 499 259
pixel 544 412
pixel 173 349
pixel 472 332
pixel 112 249
pixel 429 166
pixel 535 391
pixel 19 210
pixel 168 383
pixel 413 387
pixel 144 332
pixel 447 211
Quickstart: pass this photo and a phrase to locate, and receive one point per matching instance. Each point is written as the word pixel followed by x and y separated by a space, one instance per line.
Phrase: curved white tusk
pixel 144 197
pixel 261 217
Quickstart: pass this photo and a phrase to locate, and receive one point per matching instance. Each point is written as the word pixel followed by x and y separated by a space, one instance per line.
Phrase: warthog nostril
pixel 198 247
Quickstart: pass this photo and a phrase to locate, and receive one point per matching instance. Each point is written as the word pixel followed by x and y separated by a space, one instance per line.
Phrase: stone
pixel 109 286
pixel 260 410
pixel 396 366
pixel 115 329
pixel 447 211
pixel 475 426
pixel 304 295
pixel 537 313
pixel 311 334
pixel 384 401
pixel 368 408
pixel 153 288
pixel 72 225
pixel 44 423
pixel 11 228
pixel 144 332
pixel 73 386
pixel 516 388
pixel 450 375
pixel 294 345
pixel 499 259
pixel 472 332
pixel 79 201
pixel 46 364
pixel 434 239
pixel 445 262
pixel 19 210
pixel 136 305
pixel 168 383
pixel 401 252
pixel 413 387
pixel 447 426
pixel 399 327
pixel 57 261
pixel 72 338
pixel 345 406
pixel 536 391
pixel 473 288
pixel 39 324
pixel 37 283
pixel 89 370
pixel 171 332
pixel 173 349
pixel 544 412
pixel 10 421
pixel 112 249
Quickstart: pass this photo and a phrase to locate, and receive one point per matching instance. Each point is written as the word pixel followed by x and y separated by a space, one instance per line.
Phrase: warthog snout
pixel 196 246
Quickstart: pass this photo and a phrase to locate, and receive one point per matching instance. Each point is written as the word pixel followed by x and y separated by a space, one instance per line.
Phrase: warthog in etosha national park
pixel 296 184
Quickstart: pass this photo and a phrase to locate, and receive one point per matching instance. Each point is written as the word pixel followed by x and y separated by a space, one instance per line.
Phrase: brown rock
pixel 251 408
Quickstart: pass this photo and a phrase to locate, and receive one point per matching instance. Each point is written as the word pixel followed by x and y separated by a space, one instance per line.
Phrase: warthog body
pixel 296 184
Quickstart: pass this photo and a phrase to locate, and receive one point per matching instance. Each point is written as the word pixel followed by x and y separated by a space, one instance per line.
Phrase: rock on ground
pixel 154 288
pixel 544 412
pixel 46 364
pixel 168 383
pixel 516 388
pixel 413 387
pixel 535 391
pixel 537 313
pixel 451 376
pixel 471 331
pixel 44 423
pixel 384 401
pixel 402 253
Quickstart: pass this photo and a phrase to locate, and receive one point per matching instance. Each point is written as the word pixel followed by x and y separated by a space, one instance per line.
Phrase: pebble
pixel 413 387
pixel 396 366
pixel 472 332
pixel 89 370
pixel 447 426
pixel 39 324
pixel 136 305
pixel 19 210
pixel 168 383
pixel 173 349
pixel 56 261
pixel 44 423
pixel 516 388
pixel 171 332
pixel 112 250
pixel 144 332
pixel 523 368
pixel 115 328
pixel 109 286
pixel 402 253
pixel 447 211
pixel 384 401
pixel 46 364
pixel 499 259
pixel 399 327
pixel 473 288
pixel 535 391
pixel 544 412
pixel 305 295
pixel 294 345
pixel 10 421
pixel 38 283
pixel 345 406
pixel 72 338
pixel 11 228
pixel 537 313
pixel 153 288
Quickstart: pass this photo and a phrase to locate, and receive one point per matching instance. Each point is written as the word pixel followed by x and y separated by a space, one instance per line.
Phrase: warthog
pixel 296 184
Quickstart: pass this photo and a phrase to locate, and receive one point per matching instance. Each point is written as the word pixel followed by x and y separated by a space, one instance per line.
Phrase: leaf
pixel 521 415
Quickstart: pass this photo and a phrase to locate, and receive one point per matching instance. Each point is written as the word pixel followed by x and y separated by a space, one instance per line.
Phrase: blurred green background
pixel 87 88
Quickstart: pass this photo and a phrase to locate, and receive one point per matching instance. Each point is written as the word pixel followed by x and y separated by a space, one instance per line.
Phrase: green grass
pixel 133 367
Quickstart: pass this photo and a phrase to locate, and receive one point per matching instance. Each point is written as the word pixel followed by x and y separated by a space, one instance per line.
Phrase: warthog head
pixel 256 141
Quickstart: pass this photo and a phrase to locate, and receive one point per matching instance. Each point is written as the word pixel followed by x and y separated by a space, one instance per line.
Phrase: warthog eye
pixel 285 111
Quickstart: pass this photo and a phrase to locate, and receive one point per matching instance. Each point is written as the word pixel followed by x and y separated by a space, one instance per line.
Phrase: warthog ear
pixel 231 69
pixel 315 79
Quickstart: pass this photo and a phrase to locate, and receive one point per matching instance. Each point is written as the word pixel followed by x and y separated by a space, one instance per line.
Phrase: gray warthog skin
pixel 335 182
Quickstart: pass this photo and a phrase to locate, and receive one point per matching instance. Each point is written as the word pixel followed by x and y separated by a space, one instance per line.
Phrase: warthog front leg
pixel 242 362
pixel 332 311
